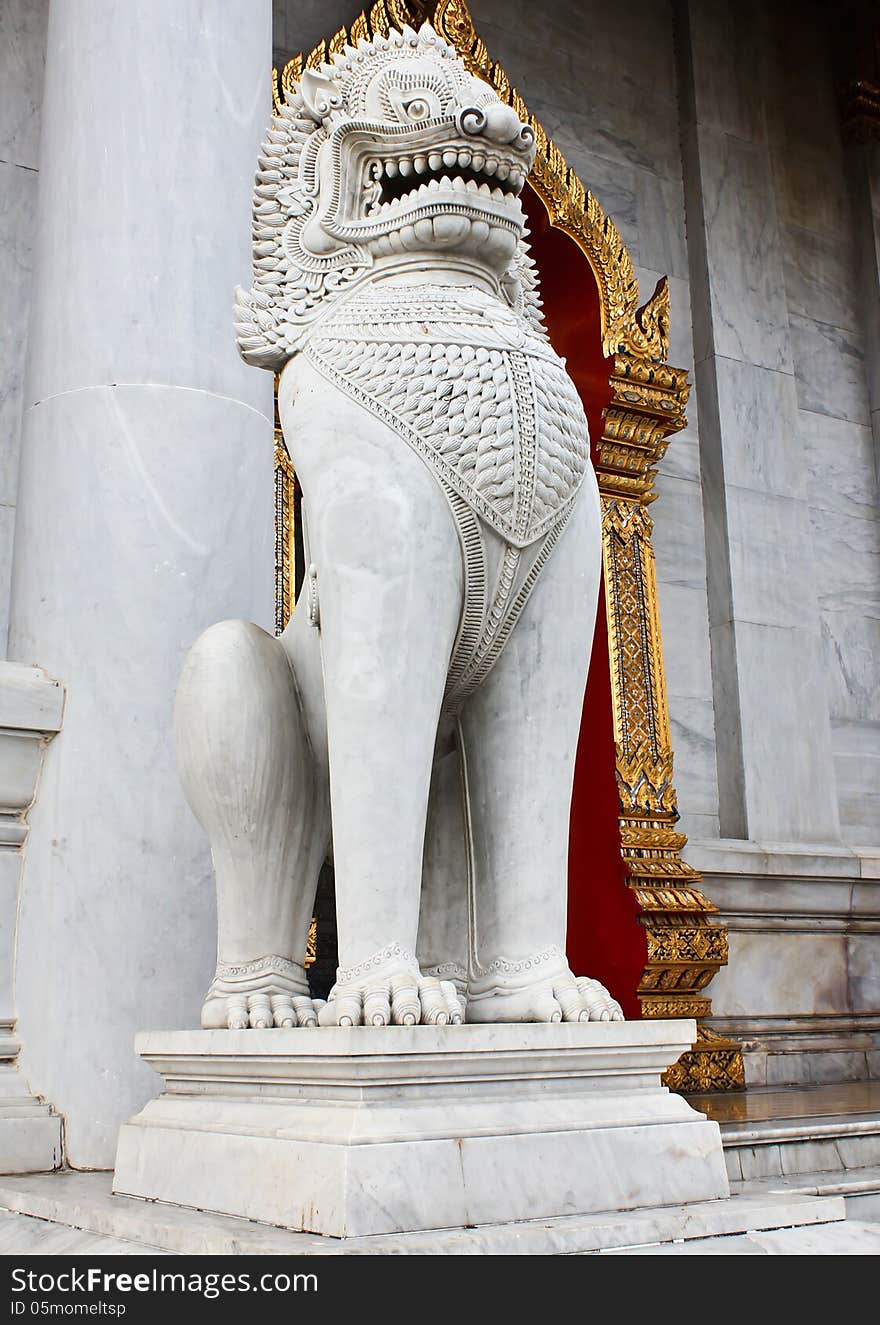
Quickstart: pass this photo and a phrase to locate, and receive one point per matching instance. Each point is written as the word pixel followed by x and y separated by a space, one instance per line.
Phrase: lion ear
pixel 320 94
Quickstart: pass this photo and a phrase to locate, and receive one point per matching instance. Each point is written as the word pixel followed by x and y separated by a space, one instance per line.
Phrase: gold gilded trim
pixel 860 112
pixel 285 528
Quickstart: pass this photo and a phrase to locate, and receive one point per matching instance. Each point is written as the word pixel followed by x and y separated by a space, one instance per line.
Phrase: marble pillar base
pixel 354 1132
pixel 30 1132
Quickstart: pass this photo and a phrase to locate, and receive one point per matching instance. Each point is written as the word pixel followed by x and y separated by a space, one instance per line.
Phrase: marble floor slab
pixel 22 1235
pixel 848 1239
pixel 83 1202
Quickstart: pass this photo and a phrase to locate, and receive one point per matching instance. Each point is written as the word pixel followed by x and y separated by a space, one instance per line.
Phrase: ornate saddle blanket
pixel 488 405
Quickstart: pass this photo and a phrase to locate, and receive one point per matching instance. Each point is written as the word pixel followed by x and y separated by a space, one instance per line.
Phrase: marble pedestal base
pixel 30 1133
pixel 30 1138
pixel 351 1132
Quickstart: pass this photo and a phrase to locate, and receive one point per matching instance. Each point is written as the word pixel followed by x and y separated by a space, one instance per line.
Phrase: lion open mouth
pixel 397 181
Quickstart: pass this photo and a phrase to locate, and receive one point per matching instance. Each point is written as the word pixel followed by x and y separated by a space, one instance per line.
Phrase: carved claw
pixel 569 999
pixel 344 1009
pixel 454 1004
pixel 377 1005
pixel 259 1011
pixel 433 1001
pixel 406 1010
pixel 282 1010
pixel 306 1011
pixel 599 1003
pixel 237 1012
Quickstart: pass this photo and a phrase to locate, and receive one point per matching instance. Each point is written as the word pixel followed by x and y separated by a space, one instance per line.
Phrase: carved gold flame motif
pixel 686 943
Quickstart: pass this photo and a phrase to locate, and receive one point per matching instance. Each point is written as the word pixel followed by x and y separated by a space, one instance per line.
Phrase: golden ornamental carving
pixel 686 945
pixel 860 111
pixel 312 944
pixel 285 520
pixel 714 1064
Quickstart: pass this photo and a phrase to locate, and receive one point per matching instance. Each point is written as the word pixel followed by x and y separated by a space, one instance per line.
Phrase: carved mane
pixel 293 284
pixel 626 328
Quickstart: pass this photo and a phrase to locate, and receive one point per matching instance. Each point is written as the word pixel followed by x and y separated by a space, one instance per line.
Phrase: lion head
pixel 390 156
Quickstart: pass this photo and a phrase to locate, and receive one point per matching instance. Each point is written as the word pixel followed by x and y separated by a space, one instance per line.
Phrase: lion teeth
pixel 450 157
pixel 491 165
pixel 435 160
pixel 464 159
pixel 405 166
pixel 503 170
pixel 484 188
pixel 421 164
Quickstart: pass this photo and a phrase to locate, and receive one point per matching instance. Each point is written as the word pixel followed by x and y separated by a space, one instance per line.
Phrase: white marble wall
pixel 802 987
pixel 819 221
pixel 298 25
pixel 22 50
pixel 775 772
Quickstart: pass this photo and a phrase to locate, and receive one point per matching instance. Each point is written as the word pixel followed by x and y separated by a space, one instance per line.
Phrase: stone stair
pixel 817 1141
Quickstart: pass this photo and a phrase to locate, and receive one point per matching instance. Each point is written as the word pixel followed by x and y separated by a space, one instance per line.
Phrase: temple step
pixel 819 1140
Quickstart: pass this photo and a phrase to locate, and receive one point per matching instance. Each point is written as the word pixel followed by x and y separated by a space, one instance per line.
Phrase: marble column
pixel 145 513
pixel 865 172
pixel 772 722
pixel 22 49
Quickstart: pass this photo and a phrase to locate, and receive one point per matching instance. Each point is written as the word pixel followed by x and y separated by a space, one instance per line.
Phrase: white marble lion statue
pixel 420 714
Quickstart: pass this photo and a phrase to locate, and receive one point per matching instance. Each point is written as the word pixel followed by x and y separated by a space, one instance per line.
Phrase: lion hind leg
pixel 254 785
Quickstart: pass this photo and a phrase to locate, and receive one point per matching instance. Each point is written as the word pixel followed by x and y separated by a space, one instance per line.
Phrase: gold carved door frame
pixel 686 943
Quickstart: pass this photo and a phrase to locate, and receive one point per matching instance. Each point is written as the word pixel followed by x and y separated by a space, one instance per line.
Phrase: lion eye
pixel 418 109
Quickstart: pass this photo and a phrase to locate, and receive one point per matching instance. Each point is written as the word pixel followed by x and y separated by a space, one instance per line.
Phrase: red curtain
pixel 605 938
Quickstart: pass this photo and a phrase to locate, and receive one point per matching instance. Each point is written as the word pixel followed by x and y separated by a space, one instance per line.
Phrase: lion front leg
pixel 520 733
pixel 388 583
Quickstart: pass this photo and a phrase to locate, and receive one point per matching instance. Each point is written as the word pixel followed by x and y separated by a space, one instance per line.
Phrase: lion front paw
pixel 537 988
pixel 388 989
pixel 269 991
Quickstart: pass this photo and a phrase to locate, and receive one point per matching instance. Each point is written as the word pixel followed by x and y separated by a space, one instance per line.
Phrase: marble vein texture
pixel 356 1132
pixel 423 713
